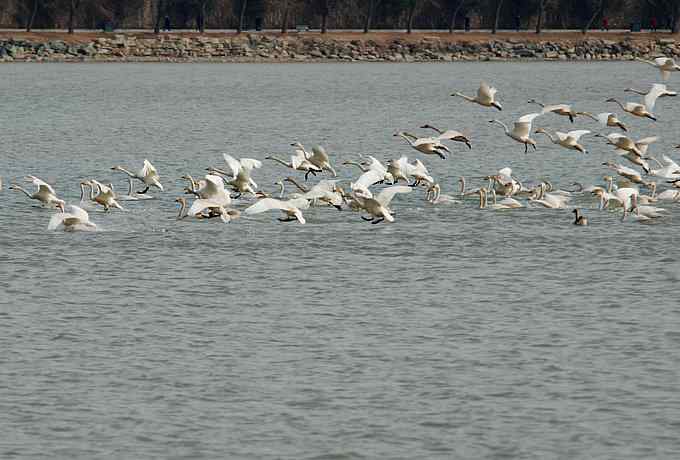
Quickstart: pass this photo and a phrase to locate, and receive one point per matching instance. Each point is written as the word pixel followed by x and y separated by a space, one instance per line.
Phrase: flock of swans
pixel 215 194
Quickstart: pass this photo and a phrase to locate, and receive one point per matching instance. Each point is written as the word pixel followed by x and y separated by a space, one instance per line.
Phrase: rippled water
pixel 452 333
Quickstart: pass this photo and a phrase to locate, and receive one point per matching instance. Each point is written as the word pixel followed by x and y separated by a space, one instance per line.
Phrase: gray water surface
pixel 452 333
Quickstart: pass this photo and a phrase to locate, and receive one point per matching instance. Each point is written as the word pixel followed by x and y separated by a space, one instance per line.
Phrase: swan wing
pixel 79 213
pixel 298 159
pixel 603 118
pixel 299 203
pixel 649 100
pixel 647 140
pixel 319 153
pixel 250 163
pixel 56 220
pixel 486 93
pixel 265 204
pixel 368 178
pixel 577 133
pixel 233 164
pixel 555 108
pixel 522 126
pixel 148 170
pixel 451 134
pixel 386 195
pixel 42 185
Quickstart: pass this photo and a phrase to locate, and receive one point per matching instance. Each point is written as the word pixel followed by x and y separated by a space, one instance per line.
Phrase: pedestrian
pixel 518 21
pixel 605 24
pixel 166 23
pixel 652 24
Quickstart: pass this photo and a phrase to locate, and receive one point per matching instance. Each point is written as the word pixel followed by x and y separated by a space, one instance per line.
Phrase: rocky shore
pixel 315 48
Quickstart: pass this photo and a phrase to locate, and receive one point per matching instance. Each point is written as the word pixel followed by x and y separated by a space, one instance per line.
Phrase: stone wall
pixel 295 48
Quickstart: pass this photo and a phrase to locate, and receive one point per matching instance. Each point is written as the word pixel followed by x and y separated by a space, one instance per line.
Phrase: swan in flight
pixel 226 215
pixel 521 130
pixel 239 178
pixel 567 140
pixel 45 193
pixel 607 119
pixel 325 191
pixel 579 219
pixel 560 109
pixel 425 145
pixel 394 168
pixel 378 206
pixel 318 157
pixel 623 171
pixel 450 135
pixel 211 196
pixel 486 96
pixel 417 170
pixel 664 64
pixel 71 219
pixel 131 194
pixel 148 175
pixel 298 162
pixel 622 142
pixel 105 196
pixel 663 91
pixel 666 171
pixel 644 110
pixel 373 165
pixel 292 209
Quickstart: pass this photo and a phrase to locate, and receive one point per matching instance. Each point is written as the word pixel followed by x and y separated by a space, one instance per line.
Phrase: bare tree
pixel 74 4
pixel 242 16
pixel 496 17
pixel 370 12
pixel 539 15
pixel 159 6
pixel 598 10
pixel 455 6
pixel 34 11
pixel 325 11
pixel 284 23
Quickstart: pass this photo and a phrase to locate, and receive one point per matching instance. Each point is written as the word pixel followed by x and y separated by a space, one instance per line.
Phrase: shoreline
pixel 313 47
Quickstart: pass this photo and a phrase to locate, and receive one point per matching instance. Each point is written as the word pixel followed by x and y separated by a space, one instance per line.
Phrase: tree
pixel 539 15
pixel 74 5
pixel 672 9
pixel 325 10
pixel 455 6
pixel 499 4
pixel 241 16
pixel 284 23
pixel 370 12
pixel 31 19
pixel 598 10
pixel 159 7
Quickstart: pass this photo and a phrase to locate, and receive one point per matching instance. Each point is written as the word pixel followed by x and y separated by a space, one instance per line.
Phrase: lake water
pixel 452 333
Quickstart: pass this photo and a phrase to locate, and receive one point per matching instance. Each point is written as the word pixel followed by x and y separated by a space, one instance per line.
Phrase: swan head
pixel 611 99
pixel 540 131
pixel 497 105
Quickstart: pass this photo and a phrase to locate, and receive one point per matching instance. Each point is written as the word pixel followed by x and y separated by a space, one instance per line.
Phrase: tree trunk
pixel 675 22
pixel 71 15
pixel 159 10
pixel 454 14
pixel 592 18
pixel 201 18
pixel 242 16
pixel 284 25
pixel 324 22
pixel 539 19
pixel 372 4
pixel 499 4
pixel 29 25
pixel 411 15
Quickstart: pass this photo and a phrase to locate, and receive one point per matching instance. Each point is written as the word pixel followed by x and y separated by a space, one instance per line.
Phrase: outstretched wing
pixel 386 195
pixel 555 108
pixel 250 163
pixel 265 204
pixel 486 93
pixel 368 178
pixel 576 134
pixel 233 164
pixel 522 126
pixel 649 100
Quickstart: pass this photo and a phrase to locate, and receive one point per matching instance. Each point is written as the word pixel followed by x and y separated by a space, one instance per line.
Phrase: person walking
pixel 166 23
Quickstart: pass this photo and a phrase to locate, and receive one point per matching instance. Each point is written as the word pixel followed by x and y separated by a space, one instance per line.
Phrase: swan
pixel 72 218
pixel 622 142
pixel 486 96
pixel 664 64
pixel 45 193
pixel 669 195
pixel 326 191
pixel 318 157
pixel 417 170
pixel 643 213
pixel 645 109
pixel 450 135
pixel 549 200
pixel 434 196
pixel 425 145
pixel 463 193
pixel 668 171
pixel 607 119
pixel 521 130
pixel 394 167
pixel 559 109
pixel 298 162
pixel 292 209
pixel 105 196
pixel 240 179
pixel 505 203
pixel 148 175
pixel 226 215
pixel 579 219
pixel 504 183
pixel 664 92
pixel 568 140
pixel 374 165
pixel 213 195
pixel 623 171
pixel 86 198
pixel 378 206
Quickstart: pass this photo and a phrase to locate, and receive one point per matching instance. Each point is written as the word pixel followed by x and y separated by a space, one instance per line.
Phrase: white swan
pixel 434 196
pixel 664 64
pixel 45 193
pixel 664 92
pixel 213 195
pixel 417 170
pixel 325 191
pixel 240 178
pixel 292 209
pixel 148 175
pixel 131 194
pixel 378 206
pixel 450 135
pixel 644 110
pixel 298 162
pixel 425 145
pixel 394 167
pixel 560 109
pixel 623 171
pixel 71 219
pixel 226 215
pixel 567 140
pixel 521 130
pixel 607 119
pixel 486 96
pixel 105 196
pixel 318 157
pixel 642 213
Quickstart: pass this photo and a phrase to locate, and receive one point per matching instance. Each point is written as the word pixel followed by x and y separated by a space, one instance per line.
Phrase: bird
pixel 325 191
pixel 373 164
pixel 211 196
pixel 579 219
pixel 607 119
pixel 560 109
pixel 486 96
pixel 567 140
pixel 521 130
pixel 318 157
pixel 72 219
pixel 623 171
pixel 663 91
pixel 45 193
pixel 641 212
pixel 434 196
pixel 298 162
pixel 131 194
pixel 148 175
pixel 426 145
pixel 292 209
pixel 394 168
pixel 665 65
pixel 239 179
pixel 226 215
pixel 450 134
pixel 378 206
pixel 549 200
pixel 644 110
pixel 105 195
